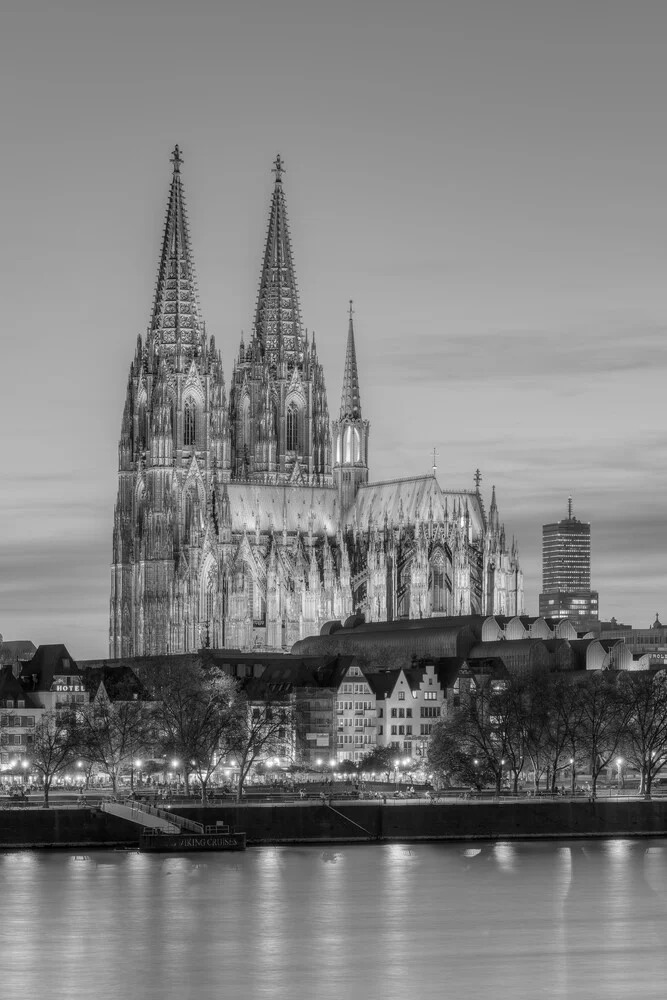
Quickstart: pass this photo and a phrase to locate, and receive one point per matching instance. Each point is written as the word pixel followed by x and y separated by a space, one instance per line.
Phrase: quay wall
pixel 315 823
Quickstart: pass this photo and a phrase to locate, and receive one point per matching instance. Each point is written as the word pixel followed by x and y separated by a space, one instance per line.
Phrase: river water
pixel 397 922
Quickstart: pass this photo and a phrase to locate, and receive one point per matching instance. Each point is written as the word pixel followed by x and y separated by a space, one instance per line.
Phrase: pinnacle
pixel 350 403
pixel 278 314
pixel 176 314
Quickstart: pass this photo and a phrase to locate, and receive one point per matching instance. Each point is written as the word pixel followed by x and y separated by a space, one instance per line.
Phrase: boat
pixel 212 838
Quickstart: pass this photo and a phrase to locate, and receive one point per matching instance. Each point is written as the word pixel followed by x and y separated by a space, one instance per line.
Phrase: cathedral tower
pixel 174 446
pixel 278 404
pixel 350 432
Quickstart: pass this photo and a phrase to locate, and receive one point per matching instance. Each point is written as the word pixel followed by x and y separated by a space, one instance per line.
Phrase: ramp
pixel 140 817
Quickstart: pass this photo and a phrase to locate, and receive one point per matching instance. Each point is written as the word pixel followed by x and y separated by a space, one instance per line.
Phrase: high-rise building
pixel 566 570
pixel 247 519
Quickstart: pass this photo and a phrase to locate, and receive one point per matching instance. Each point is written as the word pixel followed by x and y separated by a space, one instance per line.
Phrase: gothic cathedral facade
pixel 247 520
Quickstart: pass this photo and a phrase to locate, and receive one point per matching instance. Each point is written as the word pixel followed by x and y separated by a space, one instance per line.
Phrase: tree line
pixel 196 713
pixel 551 723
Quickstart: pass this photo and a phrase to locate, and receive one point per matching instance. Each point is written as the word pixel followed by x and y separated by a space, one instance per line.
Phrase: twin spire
pixel 278 315
pixel 176 318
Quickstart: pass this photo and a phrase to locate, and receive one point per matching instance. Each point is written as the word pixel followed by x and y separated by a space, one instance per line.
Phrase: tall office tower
pixel 566 570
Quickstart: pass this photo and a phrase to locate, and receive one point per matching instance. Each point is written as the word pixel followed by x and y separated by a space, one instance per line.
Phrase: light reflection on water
pixel 393 921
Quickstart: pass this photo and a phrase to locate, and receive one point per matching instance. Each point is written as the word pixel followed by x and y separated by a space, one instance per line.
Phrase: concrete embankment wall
pixel 361 822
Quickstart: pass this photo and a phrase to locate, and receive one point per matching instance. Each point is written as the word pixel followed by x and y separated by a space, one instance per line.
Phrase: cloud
pixel 499 355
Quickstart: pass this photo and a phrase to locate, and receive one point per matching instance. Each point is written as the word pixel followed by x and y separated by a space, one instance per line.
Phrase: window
pixel 380 713
pixel 408 730
pixel 394 730
pixel 408 713
pixel 401 695
pixel 430 695
pixel 20 704
pixel 292 428
pixel 189 424
pixel 380 730
pixel 394 713
pixel 401 730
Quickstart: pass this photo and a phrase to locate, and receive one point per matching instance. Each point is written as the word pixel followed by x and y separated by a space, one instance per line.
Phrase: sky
pixel 485 180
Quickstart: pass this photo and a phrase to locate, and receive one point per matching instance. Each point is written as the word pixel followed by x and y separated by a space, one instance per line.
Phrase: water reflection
pixel 520 920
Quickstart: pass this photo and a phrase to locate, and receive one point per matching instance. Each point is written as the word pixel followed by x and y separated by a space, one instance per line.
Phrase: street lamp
pixel 620 772
pixel 572 785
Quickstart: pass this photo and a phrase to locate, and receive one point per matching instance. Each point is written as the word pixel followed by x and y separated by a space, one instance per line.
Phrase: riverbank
pixel 352 822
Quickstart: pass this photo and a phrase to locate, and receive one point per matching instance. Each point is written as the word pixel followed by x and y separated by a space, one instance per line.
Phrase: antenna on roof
pixel 435 467
pixel 569 508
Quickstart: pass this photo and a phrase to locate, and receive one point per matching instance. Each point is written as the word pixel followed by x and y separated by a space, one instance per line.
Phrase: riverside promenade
pixel 344 820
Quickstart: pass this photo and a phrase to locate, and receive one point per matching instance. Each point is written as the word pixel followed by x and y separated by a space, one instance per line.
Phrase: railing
pixel 181 821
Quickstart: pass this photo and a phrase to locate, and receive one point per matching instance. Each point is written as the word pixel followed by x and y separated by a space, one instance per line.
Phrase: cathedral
pixel 246 519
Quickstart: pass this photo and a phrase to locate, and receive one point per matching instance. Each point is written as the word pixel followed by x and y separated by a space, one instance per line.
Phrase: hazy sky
pixel 487 181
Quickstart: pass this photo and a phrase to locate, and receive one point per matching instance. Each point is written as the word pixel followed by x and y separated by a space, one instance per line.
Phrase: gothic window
pixel 292 428
pixel 189 424
pixel 357 445
pixel 245 421
pixel 209 600
pixel 347 448
pixel 437 587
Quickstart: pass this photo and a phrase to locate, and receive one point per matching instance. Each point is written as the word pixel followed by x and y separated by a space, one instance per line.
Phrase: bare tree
pixel 54 747
pixel 112 734
pixel 261 729
pixel 644 737
pixel 195 714
pixel 600 721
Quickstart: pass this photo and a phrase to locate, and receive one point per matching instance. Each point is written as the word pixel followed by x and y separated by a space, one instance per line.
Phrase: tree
pixel 260 729
pixel 112 734
pixel 470 735
pixel 195 715
pixel 643 696
pixel 380 759
pixel 599 722
pixel 54 747
pixel 453 763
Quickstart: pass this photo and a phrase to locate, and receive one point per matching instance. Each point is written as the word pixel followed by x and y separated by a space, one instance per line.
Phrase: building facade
pixel 566 570
pixel 247 520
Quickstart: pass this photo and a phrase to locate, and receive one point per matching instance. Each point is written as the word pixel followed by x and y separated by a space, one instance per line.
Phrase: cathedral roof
pixel 418 499
pixel 278 314
pixel 282 508
pixel 176 312
pixel 350 403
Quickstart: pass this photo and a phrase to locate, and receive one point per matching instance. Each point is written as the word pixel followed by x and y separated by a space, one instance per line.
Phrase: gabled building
pixel 310 686
pixel 410 702
pixel 356 716
pixel 54 680
pixel 19 713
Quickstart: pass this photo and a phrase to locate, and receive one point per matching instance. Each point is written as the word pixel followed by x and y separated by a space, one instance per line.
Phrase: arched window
pixel 437 587
pixel 292 428
pixel 189 424
pixel 245 421
pixel 209 600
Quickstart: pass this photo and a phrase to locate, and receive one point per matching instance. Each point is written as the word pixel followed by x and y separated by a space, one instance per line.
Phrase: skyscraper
pixel 248 519
pixel 566 570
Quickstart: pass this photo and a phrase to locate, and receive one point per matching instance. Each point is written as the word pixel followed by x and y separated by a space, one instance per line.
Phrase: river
pixel 577 919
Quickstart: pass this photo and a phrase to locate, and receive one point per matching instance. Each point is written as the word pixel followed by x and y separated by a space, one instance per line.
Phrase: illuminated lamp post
pixel 573 776
pixel 620 772
pixel 397 773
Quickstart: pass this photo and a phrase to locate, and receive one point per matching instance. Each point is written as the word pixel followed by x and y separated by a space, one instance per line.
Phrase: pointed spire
pixel 176 314
pixel 493 511
pixel 278 314
pixel 350 402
